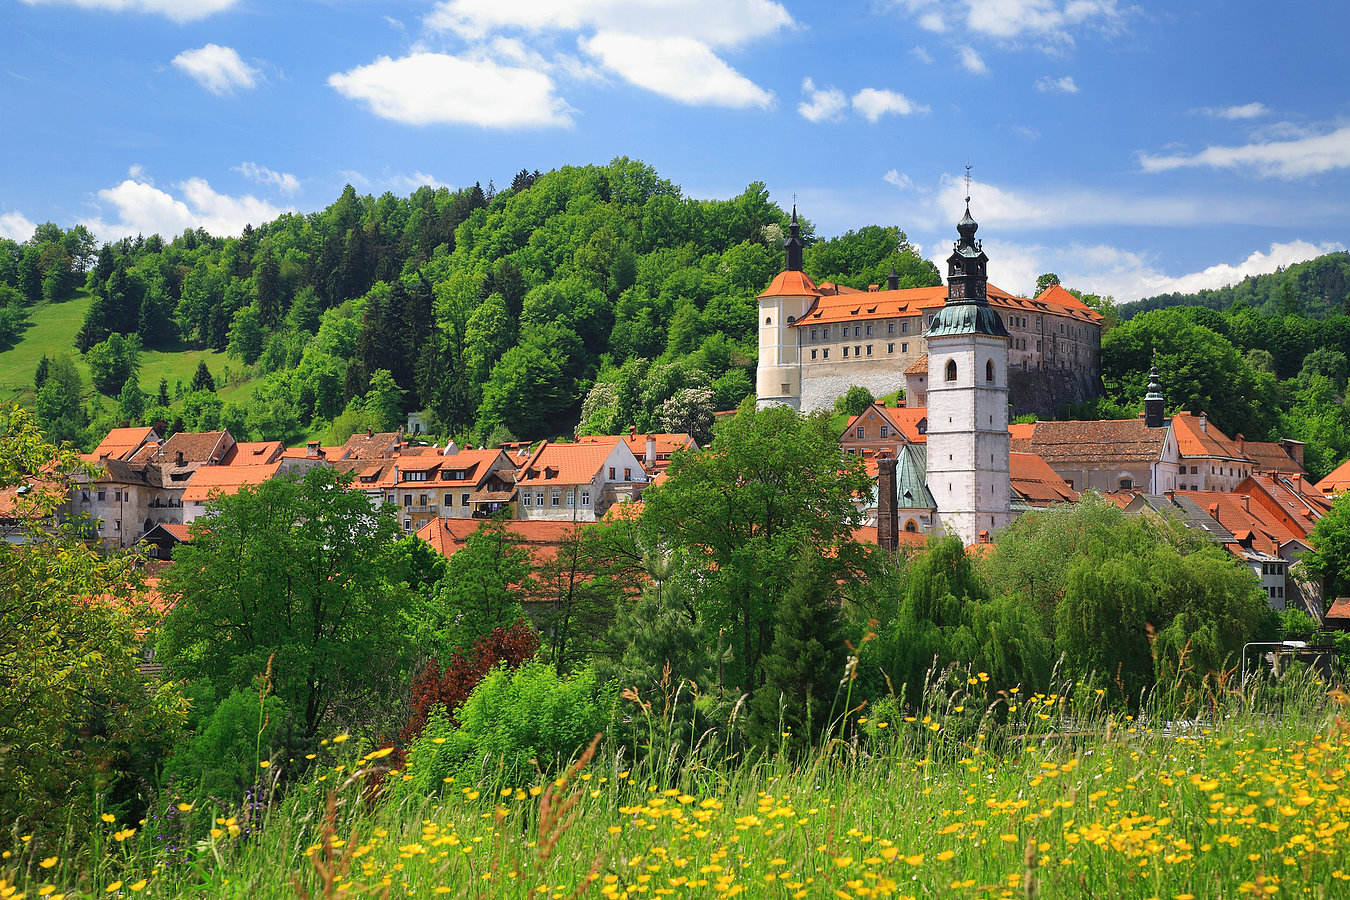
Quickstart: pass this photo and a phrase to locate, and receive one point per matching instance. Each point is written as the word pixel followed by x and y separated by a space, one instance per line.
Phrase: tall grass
pixel 975 793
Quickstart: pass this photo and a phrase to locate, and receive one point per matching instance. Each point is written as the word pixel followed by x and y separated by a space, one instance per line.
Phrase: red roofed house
pixel 1120 454
pixel 654 450
pixel 578 482
pixel 880 428
pixel 123 443
pixel 1337 482
pixel 210 482
pixel 816 341
pixel 1209 459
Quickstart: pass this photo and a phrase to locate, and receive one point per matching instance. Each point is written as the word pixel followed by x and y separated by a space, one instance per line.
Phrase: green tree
pixel 113 362
pixel 202 379
pixel 1330 560
pixel 384 400
pixel 77 720
pixel 480 591
pixel 854 401
pixel 804 668
pixel 60 407
pixel 246 336
pixel 738 512
pixel 131 403
pixel 290 575
pixel 1044 281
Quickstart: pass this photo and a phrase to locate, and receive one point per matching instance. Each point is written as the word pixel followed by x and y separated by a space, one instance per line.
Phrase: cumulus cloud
pixel 282 181
pixel 1064 85
pixel 218 69
pixel 821 104
pixel 1245 111
pixel 720 23
pixel 680 68
pixel 921 55
pixel 16 226
pixel 1011 19
pixel 429 88
pixel 873 103
pixel 142 208
pixel 1296 158
pixel 177 10
pixel 971 61
pixel 899 179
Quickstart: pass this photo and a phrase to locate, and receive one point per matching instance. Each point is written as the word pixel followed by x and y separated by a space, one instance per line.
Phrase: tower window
pixel 989 370
pixel 768 320
pixel 951 370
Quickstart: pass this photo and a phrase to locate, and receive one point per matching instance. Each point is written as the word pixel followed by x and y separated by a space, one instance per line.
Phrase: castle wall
pixel 822 384
pixel 1047 393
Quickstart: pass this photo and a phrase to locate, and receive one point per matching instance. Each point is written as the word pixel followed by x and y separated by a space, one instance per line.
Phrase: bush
pixel 244 729
pixel 855 401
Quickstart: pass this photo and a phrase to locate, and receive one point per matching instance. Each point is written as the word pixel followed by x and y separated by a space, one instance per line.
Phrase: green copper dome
pixel 968 317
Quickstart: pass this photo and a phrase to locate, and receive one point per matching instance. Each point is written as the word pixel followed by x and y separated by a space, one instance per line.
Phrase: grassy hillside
pixel 51 330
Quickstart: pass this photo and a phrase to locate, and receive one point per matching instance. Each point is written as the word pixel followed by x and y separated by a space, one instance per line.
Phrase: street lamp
pixel 1279 645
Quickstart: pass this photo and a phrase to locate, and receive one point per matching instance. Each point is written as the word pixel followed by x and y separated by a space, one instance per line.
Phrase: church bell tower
pixel 968 398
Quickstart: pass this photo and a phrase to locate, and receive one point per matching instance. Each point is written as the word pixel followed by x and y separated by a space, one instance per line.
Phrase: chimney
pixel 1204 422
pixel 1171 498
pixel 1294 449
pixel 873 288
pixel 312 449
pixel 651 450
pixel 632 431
pixel 178 461
pixel 1213 511
pixel 1241 442
pixel 1246 502
pixel 369 433
pixel 888 504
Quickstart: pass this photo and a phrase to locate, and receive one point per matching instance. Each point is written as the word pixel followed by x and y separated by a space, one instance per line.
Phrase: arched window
pixel 768 320
pixel 951 370
pixel 911 527
pixel 989 371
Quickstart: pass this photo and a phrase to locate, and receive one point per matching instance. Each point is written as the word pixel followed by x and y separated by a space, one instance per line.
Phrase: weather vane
pixel 967 184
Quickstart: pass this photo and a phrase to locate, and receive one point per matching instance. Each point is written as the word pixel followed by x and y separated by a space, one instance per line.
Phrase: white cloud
pixel 821 104
pixel 971 61
pixel 177 10
pixel 420 179
pixel 142 208
pixel 921 55
pixel 899 179
pixel 1049 25
pixel 1295 158
pixel 426 88
pixel 16 226
pixel 873 103
pixel 1245 111
pixel 680 68
pixel 282 181
pixel 720 23
pixel 218 69
pixel 1127 275
pixel 1063 85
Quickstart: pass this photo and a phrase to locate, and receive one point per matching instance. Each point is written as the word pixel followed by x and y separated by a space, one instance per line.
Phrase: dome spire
pixel 794 244
pixel 1153 400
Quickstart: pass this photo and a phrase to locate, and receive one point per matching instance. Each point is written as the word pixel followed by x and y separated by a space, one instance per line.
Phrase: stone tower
pixel 968 399
pixel 778 378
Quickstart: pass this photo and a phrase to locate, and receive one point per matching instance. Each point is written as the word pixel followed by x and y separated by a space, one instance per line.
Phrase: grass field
pixel 1049 797
pixel 52 329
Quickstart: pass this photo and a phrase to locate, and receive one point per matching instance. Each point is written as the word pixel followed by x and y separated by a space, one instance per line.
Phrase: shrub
pixel 855 401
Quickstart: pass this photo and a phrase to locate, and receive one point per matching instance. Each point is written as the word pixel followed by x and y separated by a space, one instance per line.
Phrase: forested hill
pixel 1316 288
pixel 496 311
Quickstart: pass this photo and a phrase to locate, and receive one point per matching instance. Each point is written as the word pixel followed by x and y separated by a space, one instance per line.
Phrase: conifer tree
pixel 163 398
pixel 43 366
pixel 202 380
pixel 804 666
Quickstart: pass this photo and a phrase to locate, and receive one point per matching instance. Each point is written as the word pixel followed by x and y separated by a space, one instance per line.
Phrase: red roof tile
pixel 1337 481
pixel 845 304
pixel 567 463
pixel 1209 441
pixel 1270 456
pixel 121 442
pixel 254 453
pixel 791 284
pixel 210 480
pixel 1110 441
pixel 1036 482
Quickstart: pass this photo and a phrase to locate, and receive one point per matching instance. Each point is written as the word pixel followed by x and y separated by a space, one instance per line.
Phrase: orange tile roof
pixel 209 480
pixel 791 284
pixel 918 367
pixel 1337 481
pixel 1293 499
pixel 541 539
pixel 835 303
pixel 567 463
pixel 253 453
pixel 1270 456
pixel 867 534
pixel 666 442
pixel 371 446
pixel 1036 482
pixel 1192 440
pixel 1244 517
pixel 903 420
pixel 120 442
pixel 196 447
pixel 1104 442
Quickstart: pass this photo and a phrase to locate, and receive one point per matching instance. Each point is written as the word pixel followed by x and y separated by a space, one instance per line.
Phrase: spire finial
pixel 967 185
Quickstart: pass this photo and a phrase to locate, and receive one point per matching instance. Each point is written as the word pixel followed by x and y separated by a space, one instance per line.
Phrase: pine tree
pixel 267 284
pixel 163 398
pixel 803 667
pixel 202 380
pixel 43 366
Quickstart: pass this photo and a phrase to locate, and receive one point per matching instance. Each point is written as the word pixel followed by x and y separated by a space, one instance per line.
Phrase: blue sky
pixel 1132 148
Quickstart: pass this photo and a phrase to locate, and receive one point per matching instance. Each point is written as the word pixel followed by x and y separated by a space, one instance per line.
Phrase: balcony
pixel 429 509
